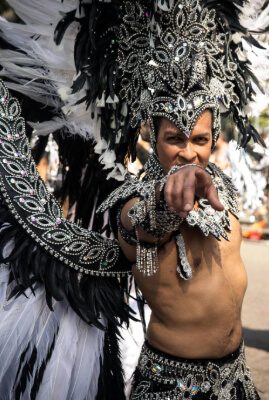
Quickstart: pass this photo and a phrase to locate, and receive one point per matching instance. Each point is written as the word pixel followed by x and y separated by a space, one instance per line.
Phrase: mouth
pixel 190 163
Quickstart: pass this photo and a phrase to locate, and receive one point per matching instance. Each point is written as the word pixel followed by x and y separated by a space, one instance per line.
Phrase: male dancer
pixel 195 326
pixel 143 61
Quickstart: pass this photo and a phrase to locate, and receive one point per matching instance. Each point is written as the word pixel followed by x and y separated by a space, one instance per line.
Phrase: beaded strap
pixel 37 211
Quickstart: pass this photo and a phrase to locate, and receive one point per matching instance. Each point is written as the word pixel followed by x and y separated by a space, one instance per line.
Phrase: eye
pixel 174 139
pixel 201 139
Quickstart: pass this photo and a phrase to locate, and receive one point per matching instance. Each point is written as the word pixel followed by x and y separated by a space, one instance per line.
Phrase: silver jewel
pixel 38 212
pixel 158 219
pixel 184 269
pixel 165 378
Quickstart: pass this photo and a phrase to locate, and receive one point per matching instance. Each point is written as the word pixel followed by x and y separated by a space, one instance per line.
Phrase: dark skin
pixel 200 318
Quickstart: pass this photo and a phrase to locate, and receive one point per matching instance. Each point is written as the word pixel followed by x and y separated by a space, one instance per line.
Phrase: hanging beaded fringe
pixel 146 258
pixel 184 269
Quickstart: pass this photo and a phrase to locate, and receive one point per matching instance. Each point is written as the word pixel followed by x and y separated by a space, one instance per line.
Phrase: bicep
pixel 128 249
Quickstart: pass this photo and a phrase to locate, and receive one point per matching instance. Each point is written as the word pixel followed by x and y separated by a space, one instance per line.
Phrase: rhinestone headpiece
pixel 144 59
pixel 173 63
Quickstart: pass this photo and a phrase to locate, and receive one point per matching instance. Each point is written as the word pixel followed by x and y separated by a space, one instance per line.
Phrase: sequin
pixel 37 211
pixel 187 379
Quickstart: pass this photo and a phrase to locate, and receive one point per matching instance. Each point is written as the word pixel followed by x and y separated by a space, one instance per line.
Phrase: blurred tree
pixel 264 119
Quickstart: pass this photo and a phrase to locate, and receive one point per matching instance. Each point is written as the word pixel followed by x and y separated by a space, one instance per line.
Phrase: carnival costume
pixel 164 377
pixel 134 61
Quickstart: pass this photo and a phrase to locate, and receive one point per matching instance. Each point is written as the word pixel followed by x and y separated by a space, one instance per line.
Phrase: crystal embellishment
pixel 38 212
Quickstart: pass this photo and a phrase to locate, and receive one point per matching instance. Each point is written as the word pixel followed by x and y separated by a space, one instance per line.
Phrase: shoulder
pixel 129 189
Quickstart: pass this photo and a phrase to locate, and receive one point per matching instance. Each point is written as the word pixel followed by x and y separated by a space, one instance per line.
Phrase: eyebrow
pixel 170 132
pixel 203 133
pixel 177 133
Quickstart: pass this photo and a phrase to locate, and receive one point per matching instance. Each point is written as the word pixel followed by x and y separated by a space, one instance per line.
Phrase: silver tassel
pixel 146 258
pixel 184 269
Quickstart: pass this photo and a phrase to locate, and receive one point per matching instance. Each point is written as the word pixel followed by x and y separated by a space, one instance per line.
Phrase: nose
pixel 187 153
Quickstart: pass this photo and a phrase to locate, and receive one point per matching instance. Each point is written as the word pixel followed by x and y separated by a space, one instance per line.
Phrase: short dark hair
pixel 156 124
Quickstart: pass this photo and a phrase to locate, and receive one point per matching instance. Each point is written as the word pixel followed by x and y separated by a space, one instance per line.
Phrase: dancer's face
pixel 174 148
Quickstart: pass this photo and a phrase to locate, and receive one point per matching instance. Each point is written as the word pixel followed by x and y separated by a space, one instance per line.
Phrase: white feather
pixel 39 14
pixel 59 368
pixel 4 277
pixel 86 369
pixel 73 371
pixel 46 329
pixel 18 317
pixel 53 64
pixel 253 17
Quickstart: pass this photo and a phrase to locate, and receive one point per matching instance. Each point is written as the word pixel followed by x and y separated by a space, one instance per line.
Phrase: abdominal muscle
pixel 199 318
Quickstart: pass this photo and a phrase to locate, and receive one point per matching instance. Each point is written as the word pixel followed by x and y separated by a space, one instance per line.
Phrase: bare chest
pixel 217 268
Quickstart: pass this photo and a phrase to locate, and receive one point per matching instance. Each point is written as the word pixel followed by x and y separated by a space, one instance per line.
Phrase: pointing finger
pixel 205 188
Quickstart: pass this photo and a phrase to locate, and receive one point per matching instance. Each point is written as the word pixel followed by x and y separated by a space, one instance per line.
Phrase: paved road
pixel 256 313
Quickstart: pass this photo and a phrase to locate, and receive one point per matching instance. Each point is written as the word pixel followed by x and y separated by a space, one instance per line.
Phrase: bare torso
pixel 200 318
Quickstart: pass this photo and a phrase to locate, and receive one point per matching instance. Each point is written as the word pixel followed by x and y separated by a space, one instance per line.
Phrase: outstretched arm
pixel 180 190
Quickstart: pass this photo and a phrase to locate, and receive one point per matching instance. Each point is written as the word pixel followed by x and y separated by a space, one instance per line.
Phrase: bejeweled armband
pixel 146 253
pixel 154 218
pixel 128 236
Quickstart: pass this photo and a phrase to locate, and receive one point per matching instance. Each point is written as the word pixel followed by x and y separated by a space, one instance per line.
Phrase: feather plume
pixel 4 279
pixel 17 331
pixel 89 351
pixel 47 354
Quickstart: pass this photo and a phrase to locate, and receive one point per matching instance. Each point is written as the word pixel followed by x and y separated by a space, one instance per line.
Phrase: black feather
pixel 62 26
pixel 253 134
pixel 89 296
pixel 111 375
pixel 228 11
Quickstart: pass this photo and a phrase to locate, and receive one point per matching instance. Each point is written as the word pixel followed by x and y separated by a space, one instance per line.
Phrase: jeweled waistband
pixel 191 376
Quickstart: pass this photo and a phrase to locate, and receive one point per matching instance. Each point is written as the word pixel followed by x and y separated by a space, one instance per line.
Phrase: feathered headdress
pixel 164 58
pixel 114 64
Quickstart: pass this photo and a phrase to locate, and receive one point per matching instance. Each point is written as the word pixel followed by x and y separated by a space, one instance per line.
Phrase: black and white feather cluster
pixel 92 298
pixel 229 18
pixel 95 55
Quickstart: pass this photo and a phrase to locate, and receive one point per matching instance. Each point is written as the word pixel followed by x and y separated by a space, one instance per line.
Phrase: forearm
pixel 145 223
pixel 150 221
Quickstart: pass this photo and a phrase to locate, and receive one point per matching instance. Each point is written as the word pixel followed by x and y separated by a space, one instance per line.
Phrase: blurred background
pixel 249 171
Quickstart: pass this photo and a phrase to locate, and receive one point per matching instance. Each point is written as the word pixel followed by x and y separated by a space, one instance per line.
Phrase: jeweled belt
pixel 190 377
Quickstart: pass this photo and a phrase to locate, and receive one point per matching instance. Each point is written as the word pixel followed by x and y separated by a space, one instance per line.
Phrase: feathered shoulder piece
pixel 42 245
